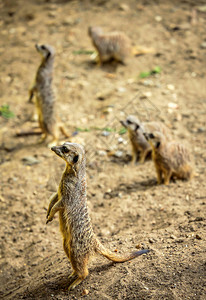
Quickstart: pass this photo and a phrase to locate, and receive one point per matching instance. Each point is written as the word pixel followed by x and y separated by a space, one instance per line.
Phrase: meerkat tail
pixel 138 50
pixel 115 257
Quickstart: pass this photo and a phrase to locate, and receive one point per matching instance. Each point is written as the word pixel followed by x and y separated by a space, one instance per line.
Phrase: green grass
pixel 155 70
pixel 5 112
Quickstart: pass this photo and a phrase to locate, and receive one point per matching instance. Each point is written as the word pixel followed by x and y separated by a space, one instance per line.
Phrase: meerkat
pixel 171 159
pixel 140 146
pixel 45 99
pixel 113 45
pixel 79 240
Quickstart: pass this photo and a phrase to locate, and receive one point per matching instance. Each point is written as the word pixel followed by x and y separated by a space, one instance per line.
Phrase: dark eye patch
pixel 137 127
pixel 151 136
pixel 75 159
pixel 157 145
pixel 129 122
pixel 65 149
pixel 43 47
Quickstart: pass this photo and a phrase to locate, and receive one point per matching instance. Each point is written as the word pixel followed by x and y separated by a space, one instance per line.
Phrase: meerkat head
pixel 72 153
pixel 155 139
pixel 132 123
pixel 94 30
pixel 45 50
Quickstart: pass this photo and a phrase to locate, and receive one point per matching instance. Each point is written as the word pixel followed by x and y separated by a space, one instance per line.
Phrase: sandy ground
pixel 127 207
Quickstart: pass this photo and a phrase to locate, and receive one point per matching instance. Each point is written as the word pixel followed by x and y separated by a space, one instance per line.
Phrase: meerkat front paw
pixel 49 219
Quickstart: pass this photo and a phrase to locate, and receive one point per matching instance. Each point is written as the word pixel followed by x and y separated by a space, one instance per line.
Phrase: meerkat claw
pixel 48 220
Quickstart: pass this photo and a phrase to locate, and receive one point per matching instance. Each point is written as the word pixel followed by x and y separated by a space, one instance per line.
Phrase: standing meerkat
pixel 136 129
pixel 171 159
pixel 79 240
pixel 45 100
pixel 113 45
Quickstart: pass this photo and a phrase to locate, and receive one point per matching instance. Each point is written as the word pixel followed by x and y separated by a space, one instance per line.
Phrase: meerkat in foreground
pixel 171 159
pixel 136 129
pixel 113 45
pixel 45 100
pixel 79 240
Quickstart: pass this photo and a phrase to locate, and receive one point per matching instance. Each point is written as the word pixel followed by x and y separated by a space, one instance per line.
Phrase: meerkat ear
pixel 75 159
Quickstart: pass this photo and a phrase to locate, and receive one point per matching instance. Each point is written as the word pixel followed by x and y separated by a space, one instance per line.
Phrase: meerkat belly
pixel 140 143
pixel 39 109
pixel 64 226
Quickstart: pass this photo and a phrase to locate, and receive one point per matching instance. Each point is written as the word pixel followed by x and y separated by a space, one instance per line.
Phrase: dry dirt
pixel 127 207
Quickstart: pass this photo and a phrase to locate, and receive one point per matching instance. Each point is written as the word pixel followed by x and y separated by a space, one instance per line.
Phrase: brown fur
pixel 171 159
pixel 79 240
pixel 140 146
pixel 45 100
pixel 113 45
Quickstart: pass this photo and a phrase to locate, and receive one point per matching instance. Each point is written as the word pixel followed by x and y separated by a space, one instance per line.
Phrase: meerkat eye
pixel 129 122
pixel 75 159
pixel 151 136
pixel 43 47
pixel 65 149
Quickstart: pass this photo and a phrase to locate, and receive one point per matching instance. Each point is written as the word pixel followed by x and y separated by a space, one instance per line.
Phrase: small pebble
pixel 158 18
pixel 124 7
pixel 118 154
pixel 201 8
pixel 85 292
pixel 120 140
pixel 203 45
pixel 171 87
pixel 105 133
pixel 102 153
pixel 148 82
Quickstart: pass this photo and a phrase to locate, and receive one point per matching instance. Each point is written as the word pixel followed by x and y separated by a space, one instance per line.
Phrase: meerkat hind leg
pixel 80 269
pixel 134 159
pixel 42 138
pixel 63 131
pixel 78 280
pixel 167 176
pixel 143 156
pixel 99 61
pixel 72 274
pixel 159 175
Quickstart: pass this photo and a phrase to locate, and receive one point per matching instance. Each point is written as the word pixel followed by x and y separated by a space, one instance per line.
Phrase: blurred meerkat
pixel 79 241
pixel 113 45
pixel 171 159
pixel 140 146
pixel 45 99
